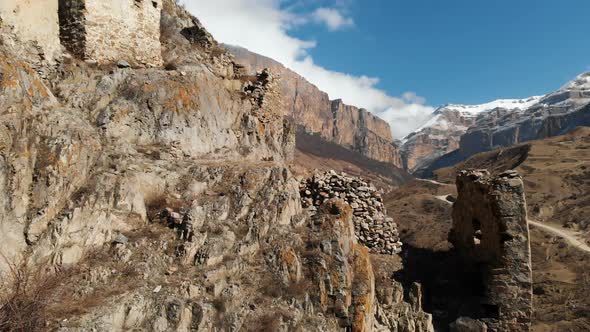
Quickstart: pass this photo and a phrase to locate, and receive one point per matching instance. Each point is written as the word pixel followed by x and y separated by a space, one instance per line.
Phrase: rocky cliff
pixel 161 199
pixel 354 128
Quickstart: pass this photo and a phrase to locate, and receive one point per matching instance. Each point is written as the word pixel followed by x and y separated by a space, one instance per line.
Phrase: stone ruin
pixel 490 232
pixel 101 31
pixel 110 30
pixel 34 21
pixel 372 227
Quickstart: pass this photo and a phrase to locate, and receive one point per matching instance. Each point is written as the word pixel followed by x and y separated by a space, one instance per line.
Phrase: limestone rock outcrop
pixel 372 226
pixel 490 230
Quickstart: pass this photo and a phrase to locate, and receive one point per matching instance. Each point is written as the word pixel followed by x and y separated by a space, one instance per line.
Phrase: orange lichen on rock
pixel 363 290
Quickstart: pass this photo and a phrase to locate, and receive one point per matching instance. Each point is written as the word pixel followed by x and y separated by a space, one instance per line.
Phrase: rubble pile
pixel 373 228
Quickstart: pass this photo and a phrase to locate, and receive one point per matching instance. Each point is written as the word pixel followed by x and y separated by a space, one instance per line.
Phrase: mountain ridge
pixel 457 131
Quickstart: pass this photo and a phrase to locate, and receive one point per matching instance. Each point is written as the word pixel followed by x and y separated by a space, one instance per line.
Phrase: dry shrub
pixel 275 288
pixel 298 289
pixel 269 322
pixel 25 294
pixel 217 51
pixel 159 202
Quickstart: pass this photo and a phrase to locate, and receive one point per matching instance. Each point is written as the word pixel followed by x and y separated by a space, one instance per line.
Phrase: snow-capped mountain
pixel 456 132
pixel 441 133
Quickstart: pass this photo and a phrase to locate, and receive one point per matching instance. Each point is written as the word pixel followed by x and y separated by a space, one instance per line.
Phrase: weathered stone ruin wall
pixel 34 20
pixel 490 230
pixel 372 227
pixel 107 31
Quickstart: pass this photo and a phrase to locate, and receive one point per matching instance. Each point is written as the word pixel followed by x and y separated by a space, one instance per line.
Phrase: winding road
pixel 570 236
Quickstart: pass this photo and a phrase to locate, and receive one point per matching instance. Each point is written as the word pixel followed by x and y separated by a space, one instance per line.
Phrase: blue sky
pixel 402 59
pixel 460 51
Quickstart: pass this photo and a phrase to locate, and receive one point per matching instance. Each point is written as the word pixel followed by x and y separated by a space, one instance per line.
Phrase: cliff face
pixel 310 108
pixel 161 199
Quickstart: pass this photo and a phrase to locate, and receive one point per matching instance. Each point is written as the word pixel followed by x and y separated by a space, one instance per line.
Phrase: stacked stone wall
pixel 372 227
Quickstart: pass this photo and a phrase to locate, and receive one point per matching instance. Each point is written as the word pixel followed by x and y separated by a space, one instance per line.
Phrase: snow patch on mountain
pixel 441 122
pixel 581 82
pixel 509 104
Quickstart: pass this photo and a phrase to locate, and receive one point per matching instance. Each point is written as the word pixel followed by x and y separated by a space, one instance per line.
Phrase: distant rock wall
pixel 361 131
pixel 422 147
pixel 107 31
pixel 490 230
pixel 310 108
pixel 36 21
pixel 501 128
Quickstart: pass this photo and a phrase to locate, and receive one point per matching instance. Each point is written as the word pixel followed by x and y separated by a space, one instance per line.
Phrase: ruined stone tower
pixel 490 231
pixel 104 31
pixel 110 30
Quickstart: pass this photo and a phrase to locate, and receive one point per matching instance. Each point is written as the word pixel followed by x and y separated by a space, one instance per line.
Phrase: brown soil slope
pixel 314 152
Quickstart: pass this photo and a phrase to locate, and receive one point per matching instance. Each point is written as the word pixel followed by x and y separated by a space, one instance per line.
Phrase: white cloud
pixel 332 18
pixel 262 27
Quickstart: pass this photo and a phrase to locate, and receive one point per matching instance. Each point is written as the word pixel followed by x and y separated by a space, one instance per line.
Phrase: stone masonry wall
pixel 490 230
pixel 372 227
pixel 107 31
pixel 34 20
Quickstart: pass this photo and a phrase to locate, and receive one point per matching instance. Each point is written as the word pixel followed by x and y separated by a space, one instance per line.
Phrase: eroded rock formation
pixel 490 231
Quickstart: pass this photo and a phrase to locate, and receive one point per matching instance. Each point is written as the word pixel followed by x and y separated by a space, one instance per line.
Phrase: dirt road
pixel 570 236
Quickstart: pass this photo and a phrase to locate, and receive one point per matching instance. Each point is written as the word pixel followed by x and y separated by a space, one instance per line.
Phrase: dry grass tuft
pixel 25 293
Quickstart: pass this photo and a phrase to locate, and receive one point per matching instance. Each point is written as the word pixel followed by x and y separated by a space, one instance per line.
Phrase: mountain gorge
pixel 149 187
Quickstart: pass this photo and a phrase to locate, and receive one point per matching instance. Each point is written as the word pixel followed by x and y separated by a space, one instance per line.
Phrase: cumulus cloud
pixel 332 18
pixel 262 26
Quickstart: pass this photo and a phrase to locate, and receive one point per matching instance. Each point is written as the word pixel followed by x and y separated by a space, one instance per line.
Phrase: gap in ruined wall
pixel 72 30
pixel 477 235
